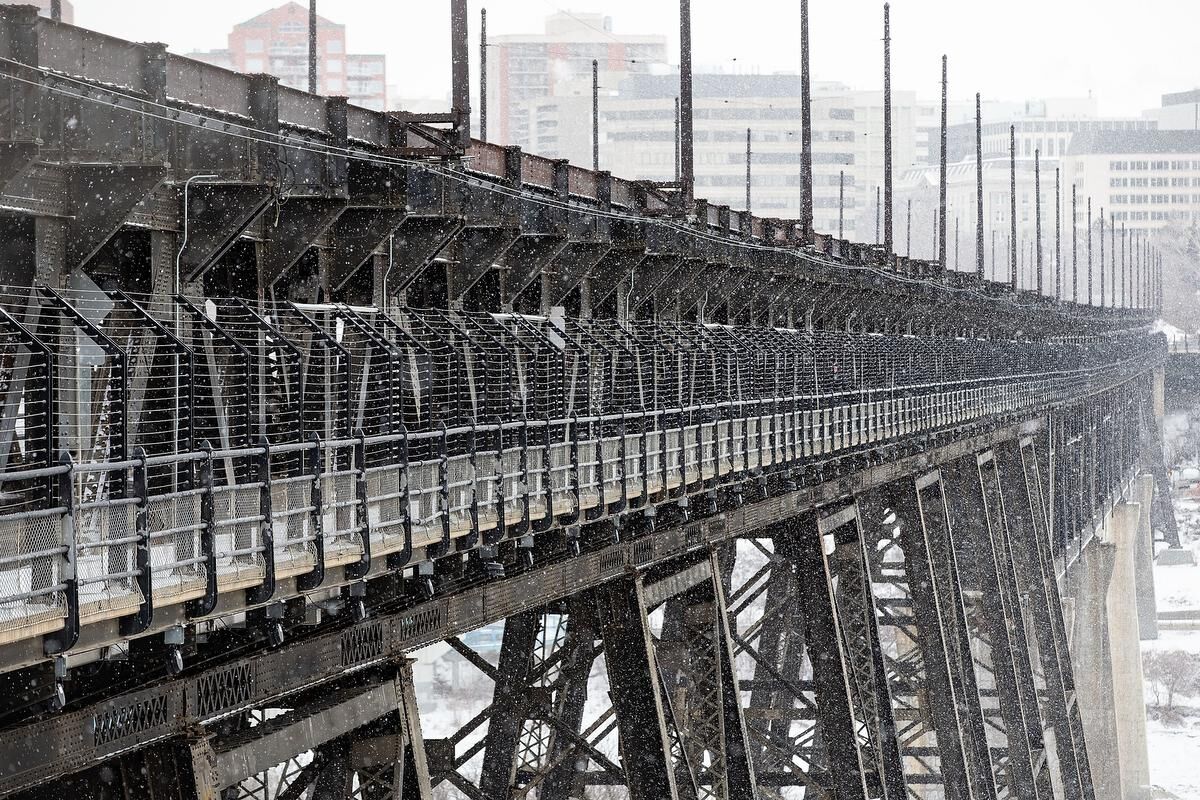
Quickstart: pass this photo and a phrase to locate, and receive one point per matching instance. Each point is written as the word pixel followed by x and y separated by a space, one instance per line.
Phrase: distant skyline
pixel 1024 49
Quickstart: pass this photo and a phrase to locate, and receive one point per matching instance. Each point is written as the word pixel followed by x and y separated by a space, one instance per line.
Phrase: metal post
pixel 979 187
pixel 460 72
pixel 841 201
pixel 595 115
pixel 888 244
pixel 1037 193
pixel 908 232
pixel 878 211
pixel 483 87
pixel 1102 286
pixel 1144 262
pixel 1057 237
pixel 936 250
pixel 687 142
pixel 806 173
pixel 312 46
pixel 1125 294
pixel 1012 174
pixel 941 242
pixel 956 241
pixel 993 254
pixel 677 141
pixel 1135 253
pixel 1112 249
pixel 1089 251
pixel 748 154
pixel 1074 248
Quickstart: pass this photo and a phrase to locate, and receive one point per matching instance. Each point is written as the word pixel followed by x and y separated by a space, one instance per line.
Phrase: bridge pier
pixel 1105 644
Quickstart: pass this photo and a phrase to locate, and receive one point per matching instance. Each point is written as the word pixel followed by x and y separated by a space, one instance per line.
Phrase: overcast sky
pixel 1125 53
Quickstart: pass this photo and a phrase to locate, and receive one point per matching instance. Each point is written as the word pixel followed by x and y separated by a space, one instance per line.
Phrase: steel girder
pixel 847 620
pixel 537 742
pixel 933 691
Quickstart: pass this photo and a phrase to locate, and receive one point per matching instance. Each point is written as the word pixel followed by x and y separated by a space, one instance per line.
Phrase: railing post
pixel 360 568
pixel 401 559
pixel 136 623
pixel 266 527
pixel 204 606
pixel 312 456
pixel 64 639
pixel 443 494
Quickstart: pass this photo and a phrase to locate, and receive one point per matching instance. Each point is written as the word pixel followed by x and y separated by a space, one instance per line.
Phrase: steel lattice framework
pixel 293 389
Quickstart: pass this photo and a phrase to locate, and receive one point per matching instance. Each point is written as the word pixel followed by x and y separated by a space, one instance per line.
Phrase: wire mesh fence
pixel 242 441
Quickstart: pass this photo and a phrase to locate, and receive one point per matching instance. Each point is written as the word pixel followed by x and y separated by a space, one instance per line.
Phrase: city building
pixel 1147 180
pixel 68 8
pixel 916 204
pixel 1180 111
pixel 276 42
pixel 1045 125
pixel 637 139
pixel 528 67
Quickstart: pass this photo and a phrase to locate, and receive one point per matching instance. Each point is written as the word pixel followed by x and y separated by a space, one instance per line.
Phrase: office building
pixel 637 139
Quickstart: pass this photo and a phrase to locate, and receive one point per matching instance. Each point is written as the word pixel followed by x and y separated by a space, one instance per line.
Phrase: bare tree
pixel 1172 673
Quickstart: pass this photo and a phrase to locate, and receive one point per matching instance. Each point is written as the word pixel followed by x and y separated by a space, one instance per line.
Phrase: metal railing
pixel 440 432
pixel 1186 344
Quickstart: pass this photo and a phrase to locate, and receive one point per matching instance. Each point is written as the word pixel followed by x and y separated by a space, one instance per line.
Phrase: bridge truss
pixel 759 520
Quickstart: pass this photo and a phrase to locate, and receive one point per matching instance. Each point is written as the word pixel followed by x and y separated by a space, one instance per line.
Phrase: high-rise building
pixel 276 42
pixel 637 140
pixel 68 8
pixel 528 67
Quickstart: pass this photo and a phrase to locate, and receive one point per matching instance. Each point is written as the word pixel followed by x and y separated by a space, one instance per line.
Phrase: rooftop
pixel 1150 142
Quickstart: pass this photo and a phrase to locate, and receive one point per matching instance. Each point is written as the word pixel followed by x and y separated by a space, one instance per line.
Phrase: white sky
pixel 1127 54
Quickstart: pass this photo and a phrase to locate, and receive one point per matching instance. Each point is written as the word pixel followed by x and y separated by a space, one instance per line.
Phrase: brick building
pixel 276 42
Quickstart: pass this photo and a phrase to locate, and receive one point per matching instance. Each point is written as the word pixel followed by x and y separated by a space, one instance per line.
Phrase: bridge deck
pixel 290 450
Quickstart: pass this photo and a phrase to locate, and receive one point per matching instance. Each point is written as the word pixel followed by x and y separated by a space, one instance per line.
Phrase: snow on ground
pixel 1174 736
pixel 1175 759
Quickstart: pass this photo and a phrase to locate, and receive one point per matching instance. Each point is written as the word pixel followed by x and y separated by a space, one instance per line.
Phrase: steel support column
pixel 945 649
pixel 636 690
pixel 1034 565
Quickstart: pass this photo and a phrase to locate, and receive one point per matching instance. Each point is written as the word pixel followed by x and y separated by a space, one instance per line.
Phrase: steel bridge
pixel 292 389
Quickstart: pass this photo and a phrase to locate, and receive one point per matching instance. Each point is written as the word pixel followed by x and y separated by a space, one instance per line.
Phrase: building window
pixel 333 84
pixel 254 45
pixel 254 65
pixel 333 46
pixel 333 65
